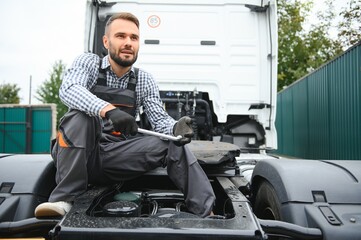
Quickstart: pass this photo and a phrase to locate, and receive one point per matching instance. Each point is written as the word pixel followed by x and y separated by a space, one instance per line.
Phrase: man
pixel 93 143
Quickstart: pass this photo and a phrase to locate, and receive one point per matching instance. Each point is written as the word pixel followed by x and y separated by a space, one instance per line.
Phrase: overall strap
pixel 102 77
pixel 133 79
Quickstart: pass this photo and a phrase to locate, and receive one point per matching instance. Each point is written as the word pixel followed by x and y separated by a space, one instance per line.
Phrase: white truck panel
pixel 238 66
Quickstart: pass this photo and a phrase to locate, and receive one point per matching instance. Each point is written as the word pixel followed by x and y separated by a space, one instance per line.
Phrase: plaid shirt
pixel 82 76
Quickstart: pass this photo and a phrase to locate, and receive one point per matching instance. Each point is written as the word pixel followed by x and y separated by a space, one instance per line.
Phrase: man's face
pixel 122 42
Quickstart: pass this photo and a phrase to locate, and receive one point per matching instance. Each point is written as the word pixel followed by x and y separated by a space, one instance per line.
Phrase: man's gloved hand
pixel 122 121
pixel 184 128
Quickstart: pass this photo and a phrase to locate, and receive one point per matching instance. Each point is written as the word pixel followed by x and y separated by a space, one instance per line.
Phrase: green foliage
pixel 350 27
pixel 48 92
pixel 301 51
pixel 9 93
pixel 321 46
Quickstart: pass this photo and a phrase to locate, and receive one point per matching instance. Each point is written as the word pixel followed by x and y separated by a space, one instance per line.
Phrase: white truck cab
pixel 215 61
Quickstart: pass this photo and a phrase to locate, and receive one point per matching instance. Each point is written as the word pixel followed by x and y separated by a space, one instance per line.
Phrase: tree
pixel 322 47
pixel 301 51
pixel 9 93
pixel 350 27
pixel 290 46
pixel 48 92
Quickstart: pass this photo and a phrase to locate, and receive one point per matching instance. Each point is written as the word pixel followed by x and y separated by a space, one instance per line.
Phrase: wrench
pixel 161 135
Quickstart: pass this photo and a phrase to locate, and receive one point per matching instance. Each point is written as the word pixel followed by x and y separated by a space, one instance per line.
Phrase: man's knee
pixel 77 128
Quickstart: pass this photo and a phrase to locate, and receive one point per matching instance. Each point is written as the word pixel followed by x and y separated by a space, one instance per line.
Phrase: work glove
pixel 184 128
pixel 122 122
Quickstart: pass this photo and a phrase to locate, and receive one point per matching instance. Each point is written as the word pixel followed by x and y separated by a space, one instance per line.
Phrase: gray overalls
pixel 85 152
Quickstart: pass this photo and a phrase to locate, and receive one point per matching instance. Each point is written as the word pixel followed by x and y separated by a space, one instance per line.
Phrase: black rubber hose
pixel 199 102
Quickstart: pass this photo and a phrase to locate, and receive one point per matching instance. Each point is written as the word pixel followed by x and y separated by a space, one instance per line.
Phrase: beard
pixel 120 61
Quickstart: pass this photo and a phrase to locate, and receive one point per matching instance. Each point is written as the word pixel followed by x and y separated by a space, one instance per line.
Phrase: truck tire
pixel 267 205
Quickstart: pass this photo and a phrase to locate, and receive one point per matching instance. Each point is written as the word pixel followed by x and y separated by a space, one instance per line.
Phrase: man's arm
pixel 160 119
pixel 79 79
pixel 105 109
pixel 153 106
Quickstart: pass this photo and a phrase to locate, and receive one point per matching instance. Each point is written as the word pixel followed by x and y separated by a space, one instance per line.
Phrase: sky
pixel 34 35
pixel 37 33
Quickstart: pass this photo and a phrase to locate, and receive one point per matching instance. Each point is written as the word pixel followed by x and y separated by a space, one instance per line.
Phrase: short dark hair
pixel 122 15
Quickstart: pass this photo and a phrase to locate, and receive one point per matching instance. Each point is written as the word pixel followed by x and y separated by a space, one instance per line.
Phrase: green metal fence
pixel 26 128
pixel 319 116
